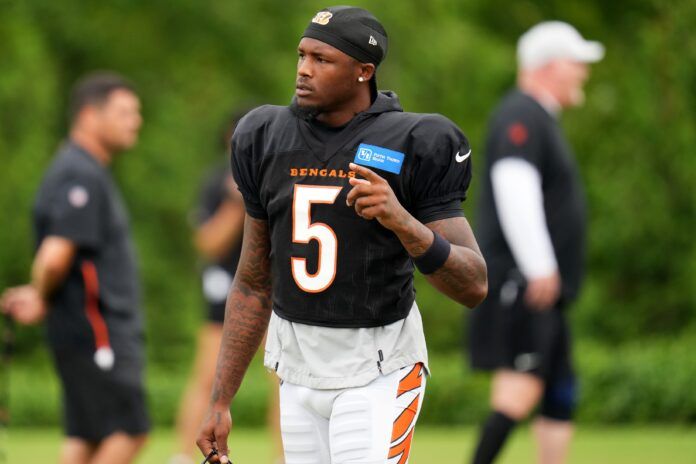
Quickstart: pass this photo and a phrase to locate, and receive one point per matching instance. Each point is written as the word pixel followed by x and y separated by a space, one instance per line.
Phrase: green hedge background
pixel 635 384
pixel 194 60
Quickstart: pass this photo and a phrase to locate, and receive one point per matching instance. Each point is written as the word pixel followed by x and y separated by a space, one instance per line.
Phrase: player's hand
pixel 24 304
pixel 373 198
pixel 543 293
pixel 213 433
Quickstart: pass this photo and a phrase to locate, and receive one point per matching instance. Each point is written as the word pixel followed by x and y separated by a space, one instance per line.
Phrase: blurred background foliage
pixel 193 61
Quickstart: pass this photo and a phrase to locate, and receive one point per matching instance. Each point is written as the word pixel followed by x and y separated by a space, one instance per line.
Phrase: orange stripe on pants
pixel 404 425
pixel 405 419
pixel 411 381
pixel 403 449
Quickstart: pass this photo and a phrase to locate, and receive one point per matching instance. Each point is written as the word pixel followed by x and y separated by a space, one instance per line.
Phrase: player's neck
pixel 92 145
pixel 342 116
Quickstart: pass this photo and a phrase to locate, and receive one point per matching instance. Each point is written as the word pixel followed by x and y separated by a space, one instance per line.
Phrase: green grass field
pixel 645 445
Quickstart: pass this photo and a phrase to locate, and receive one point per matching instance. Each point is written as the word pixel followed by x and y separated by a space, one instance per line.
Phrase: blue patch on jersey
pixel 373 156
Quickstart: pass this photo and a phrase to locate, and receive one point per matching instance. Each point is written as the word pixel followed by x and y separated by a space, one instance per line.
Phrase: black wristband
pixel 435 256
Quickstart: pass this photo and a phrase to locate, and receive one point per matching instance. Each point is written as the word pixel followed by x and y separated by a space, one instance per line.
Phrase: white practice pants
pixel 373 424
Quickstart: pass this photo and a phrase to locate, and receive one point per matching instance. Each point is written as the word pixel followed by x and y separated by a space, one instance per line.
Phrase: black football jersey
pixel 330 267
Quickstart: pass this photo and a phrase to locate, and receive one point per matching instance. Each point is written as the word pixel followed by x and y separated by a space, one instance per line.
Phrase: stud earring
pixel 361 79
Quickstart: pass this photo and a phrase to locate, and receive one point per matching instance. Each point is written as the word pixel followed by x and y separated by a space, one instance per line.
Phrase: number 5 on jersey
pixel 303 231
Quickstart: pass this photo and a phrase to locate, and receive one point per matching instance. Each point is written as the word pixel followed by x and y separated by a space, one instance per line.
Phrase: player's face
pixel 570 77
pixel 326 77
pixel 119 120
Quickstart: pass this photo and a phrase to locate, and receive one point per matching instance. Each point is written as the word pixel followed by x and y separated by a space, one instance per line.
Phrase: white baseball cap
pixel 552 40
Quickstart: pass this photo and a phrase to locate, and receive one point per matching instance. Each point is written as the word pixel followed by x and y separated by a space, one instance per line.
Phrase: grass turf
pixel 600 445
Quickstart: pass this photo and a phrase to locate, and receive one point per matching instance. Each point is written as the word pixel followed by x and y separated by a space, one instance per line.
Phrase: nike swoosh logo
pixel 461 158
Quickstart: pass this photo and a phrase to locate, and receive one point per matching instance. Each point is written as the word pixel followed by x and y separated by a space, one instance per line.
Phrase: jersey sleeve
pixel 76 211
pixel 519 134
pixel 442 170
pixel 245 169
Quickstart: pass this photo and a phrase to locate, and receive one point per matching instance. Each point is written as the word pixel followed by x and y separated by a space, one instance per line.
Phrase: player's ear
pixel 367 70
pixel 86 116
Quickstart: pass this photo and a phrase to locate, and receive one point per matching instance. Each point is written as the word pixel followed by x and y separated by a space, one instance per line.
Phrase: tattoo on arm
pixel 415 237
pixel 247 312
pixel 463 276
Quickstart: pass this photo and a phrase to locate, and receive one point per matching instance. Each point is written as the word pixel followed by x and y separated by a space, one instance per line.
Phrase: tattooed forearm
pixel 463 276
pixel 415 237
pixel 247 312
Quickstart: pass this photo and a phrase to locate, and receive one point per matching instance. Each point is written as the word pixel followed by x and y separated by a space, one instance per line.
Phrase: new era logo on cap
pixel 372 41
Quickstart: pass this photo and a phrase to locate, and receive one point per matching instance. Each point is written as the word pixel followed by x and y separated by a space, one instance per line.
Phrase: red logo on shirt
pixel 517 133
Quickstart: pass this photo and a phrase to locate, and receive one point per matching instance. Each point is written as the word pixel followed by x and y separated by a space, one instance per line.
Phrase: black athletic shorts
pixel 216 313
pixel 99 403
pixel 505 333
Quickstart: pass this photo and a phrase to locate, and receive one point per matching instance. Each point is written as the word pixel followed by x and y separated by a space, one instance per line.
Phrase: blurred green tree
pixel 194 61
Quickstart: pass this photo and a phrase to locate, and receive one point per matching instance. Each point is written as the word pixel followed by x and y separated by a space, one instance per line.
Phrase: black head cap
pixel 354 31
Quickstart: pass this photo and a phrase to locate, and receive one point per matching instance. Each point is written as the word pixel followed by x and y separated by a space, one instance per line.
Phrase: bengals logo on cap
pixel 322 18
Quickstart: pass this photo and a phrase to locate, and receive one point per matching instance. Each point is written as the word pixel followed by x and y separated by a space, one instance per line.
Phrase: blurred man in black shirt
pixel 84 279
pixel 532 234
pixel 219 221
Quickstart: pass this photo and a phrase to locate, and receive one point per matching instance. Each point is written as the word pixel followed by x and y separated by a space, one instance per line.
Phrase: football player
pixel 345 193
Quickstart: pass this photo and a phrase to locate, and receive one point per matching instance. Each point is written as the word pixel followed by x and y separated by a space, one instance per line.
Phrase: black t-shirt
pixel 522 128
pixel 330 267
pixel 78 200
pixel 217 275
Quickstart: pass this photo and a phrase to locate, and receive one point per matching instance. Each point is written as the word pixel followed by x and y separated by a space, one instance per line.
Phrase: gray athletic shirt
pixel 329 358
